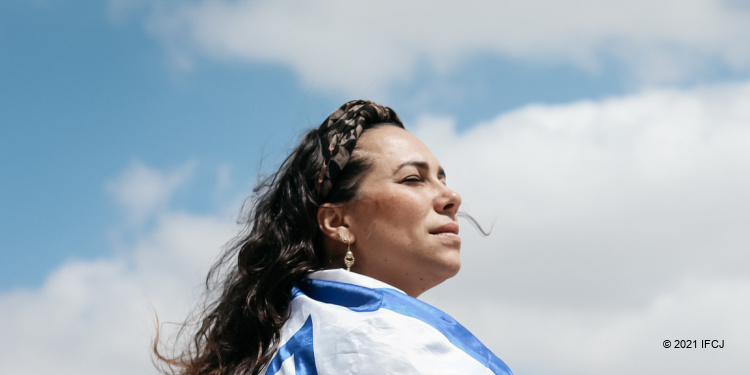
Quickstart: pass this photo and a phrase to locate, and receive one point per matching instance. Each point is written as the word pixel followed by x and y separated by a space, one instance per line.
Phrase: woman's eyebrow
pixel 420 165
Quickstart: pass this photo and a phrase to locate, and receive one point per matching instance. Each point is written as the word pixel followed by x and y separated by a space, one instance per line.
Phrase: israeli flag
pixel 347 323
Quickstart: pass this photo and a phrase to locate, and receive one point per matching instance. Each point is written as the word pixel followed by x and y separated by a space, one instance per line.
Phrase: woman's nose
pixel 450 201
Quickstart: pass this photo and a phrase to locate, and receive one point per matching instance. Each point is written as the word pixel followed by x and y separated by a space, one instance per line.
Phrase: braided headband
pixel 339 134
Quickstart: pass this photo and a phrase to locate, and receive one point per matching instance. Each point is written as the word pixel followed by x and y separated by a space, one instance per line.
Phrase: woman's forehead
pixel 391 149
pixel 392 141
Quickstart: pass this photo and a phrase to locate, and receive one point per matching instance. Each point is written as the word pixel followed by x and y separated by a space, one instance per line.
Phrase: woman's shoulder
pixel 337 325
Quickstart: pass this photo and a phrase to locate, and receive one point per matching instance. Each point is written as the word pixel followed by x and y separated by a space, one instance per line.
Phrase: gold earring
pixel 349 258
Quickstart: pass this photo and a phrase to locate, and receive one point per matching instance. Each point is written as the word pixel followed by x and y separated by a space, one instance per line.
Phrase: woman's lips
pixel 450 229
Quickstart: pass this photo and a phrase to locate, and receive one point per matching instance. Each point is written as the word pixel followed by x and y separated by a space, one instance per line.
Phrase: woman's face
pixel 403 219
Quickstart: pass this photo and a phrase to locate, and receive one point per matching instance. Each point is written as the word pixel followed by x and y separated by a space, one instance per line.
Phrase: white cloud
pixel 96 317
pixel 367 46
pixel 617 224
pixel 144 191
pixel 589 341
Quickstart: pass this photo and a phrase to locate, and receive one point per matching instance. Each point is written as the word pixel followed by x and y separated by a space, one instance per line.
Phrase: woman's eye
pixel 413 179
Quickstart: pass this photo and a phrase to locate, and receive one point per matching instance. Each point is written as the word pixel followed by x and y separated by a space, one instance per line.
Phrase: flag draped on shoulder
pixel 345 323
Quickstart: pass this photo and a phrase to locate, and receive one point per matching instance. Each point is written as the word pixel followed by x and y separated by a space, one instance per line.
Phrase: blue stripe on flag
pixel 301 347
pixel 361 299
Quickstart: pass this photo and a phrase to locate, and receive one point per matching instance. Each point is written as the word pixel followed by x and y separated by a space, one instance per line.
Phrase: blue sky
pixel 604 141
pixel 84 95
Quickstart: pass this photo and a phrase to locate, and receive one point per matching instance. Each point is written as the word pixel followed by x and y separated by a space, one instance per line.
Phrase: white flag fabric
pixel 346 323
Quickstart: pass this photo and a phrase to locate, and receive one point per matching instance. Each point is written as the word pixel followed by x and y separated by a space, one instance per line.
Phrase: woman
pixel 357 223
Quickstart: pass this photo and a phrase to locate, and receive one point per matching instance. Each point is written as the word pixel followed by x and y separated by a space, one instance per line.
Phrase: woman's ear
pixel 331 221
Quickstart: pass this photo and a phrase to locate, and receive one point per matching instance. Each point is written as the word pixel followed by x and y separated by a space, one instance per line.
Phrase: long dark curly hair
pixel 248 288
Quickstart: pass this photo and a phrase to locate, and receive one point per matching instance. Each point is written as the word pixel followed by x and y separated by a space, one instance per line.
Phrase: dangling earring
pixel 349 258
